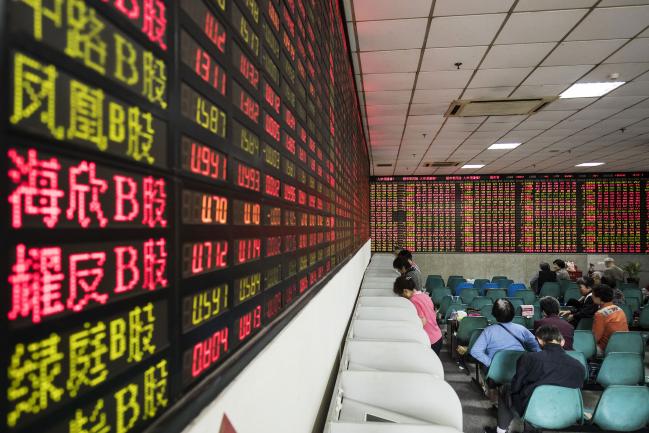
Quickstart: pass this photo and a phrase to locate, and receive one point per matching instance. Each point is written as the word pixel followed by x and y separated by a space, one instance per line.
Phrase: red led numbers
pixel 203 257
pixel 248 323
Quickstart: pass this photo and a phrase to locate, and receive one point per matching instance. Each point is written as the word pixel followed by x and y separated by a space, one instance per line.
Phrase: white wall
pixel 282 389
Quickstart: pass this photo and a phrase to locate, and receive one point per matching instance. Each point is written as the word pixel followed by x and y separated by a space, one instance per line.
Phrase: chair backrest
pixel 488 286
pixel 461 286
pixel 495 294
pixel 455 306
pixel 479 283
pixel 554 408
pixel 585 324
pixel 480 301
pixel 564 285
pixel 485 311
pixel 626 342
pixel 644 318
pixel 528 296
pixel 498 277
pixel 454 282
pixel 444 304
pixel 622 408
pixel 579 356
pixel 467 326
pixel 438 294
pixel 452 278
pixel 514 288
pixel 571 293
pixel 503 366
pixel 434 282
pixel 503 284
pixel 550 288
pixel 516 302
pixel 634 302
pixel 628 312
pixel 468 295
pixel 584 342
pixel 474 337
pixel 621 368
pixel 520 320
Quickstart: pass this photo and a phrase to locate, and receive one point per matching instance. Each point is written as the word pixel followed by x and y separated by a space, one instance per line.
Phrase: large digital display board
pixel 585 213
pixel 178 179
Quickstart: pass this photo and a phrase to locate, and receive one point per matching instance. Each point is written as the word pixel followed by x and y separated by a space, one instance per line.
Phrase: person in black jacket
pixel 584 307
pixel 544 275
pixel 551 366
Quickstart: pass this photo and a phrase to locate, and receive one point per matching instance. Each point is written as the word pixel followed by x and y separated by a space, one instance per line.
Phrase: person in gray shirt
pixel 402 265
pixel 560 269
pixel 614 272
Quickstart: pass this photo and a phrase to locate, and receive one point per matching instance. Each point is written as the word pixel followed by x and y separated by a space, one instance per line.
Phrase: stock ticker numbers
pixel 600 213
pixel 244 166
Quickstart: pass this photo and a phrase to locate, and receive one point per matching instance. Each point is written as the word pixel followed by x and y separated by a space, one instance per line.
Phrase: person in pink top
pixel 404 286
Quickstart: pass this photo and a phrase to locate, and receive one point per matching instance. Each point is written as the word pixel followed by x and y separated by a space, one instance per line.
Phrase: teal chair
pixel 434 282
pixel 626 342
pixel 504 284
pixel 622 408
pixel 495 294
pixel 456 306
pixel 479 283
pixel 498 277
pixel 621 368
pixel 468 295
pixel 474 337
pixel 454 283
pixel 550 289
pixel 452 278
pixel 644 319
pixel 528 296
pixel 633 302
pixel 564 285
pixel 485 311
pixel 628 312
pixel 554 408
pixel 584 342
pixel 517 303
pixel 582 360
pixel 520 320
pixel 467 326
pixel 444 304
pixel 503 366
pixel 571 293
pixel 480 301
pixel 438 294
pixel 585 324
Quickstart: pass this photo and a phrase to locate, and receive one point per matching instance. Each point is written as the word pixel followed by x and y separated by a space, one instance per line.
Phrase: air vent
pixel 441 164
pixel 384 165
pixel 497 107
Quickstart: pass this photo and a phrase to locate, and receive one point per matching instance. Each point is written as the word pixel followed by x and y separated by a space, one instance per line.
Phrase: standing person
pixel 544 275
pixel 550 366
pixel 503 335
pixel 609 318
pixel 584 307
pixel 405 268
pixel 404 286
pixel 550 308
pixel 613 271
pixel 560 269
pixel 406 254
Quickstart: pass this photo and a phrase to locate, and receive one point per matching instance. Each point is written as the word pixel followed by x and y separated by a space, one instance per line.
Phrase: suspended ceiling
pixel 405 54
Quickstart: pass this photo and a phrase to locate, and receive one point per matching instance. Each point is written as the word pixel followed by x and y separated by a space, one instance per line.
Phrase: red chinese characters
pixel 149 15
pixel 47 281
pixel 56 192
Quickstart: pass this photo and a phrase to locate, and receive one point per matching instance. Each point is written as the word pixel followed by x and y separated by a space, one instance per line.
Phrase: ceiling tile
pixel 388 97
pixel 516 55
pixel 557 74
pixel 399 34
pixel 605 3
pixel 444 59
pixel 387 120
pixel 499 77
pixel 583 52
pixel 539 91
pixel 552 115
pixel 467 30
pixel 395 81
pixel 538 5
pixel 421 109
pixel 434 95
pixel 634 88
pixel 635 51
pixel 569 104
pixel 611 23
pixel 443 79
pixel 366 10
pixel 546 26
pixel 627 72
pixel 487 92
pixel 374 62
pixel 467 7
pixel 425 120
pixel 387 110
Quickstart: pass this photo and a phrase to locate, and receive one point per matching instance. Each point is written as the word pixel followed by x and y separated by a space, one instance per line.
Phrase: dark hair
pixel 608 281
pixel 405 254
pixel 503 310
pixel 586 281
pixel 604 292
pixel 402 283
pixel 544 266
pixel 560 263
pixel 400 262
pixel 548 334
pixel 549 305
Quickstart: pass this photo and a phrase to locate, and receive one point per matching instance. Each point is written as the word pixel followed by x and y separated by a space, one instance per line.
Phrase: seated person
pixel 608 319
pixel 405 268
pixel 408 256
pixel 560 269
pixel 503 335
pixel 614 272
pixel 550 308
pixel 404 286
pixel 544 275
pixel 584 307
pixel 551 366
pixel 618 295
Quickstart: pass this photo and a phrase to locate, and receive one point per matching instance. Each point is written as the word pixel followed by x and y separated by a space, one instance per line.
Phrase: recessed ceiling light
pixel 503 146
pixel 590 90
pixel 473 166
pixel 589 164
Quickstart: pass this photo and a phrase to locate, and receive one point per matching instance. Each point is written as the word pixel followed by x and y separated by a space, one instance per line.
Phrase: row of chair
pixel 388 371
